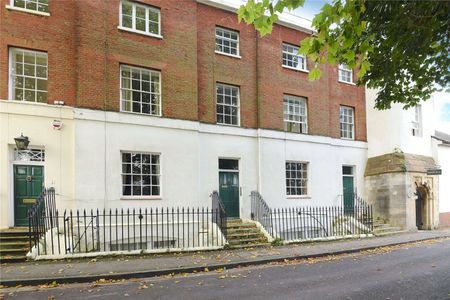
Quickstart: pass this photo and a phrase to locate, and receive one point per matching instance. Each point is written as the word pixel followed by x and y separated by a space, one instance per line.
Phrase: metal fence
pixel 304 223
pixel 146 230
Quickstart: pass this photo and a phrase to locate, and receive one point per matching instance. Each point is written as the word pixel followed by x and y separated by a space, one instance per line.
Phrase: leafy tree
pixel 401 48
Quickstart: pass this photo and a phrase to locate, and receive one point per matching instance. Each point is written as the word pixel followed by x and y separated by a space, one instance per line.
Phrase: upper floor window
pixel 227 41
pixel 140 90
pixel 32 5
pixel 345 74
pixel 140 18
pixel 141 174
pixel 28 75
pixel 292 59
pixel 227 104
pixel 295 118
pixel 417 121
pixel 347 122
pixel 296 178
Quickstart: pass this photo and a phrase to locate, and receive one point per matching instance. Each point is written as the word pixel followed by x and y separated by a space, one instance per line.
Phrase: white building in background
pixel 403 155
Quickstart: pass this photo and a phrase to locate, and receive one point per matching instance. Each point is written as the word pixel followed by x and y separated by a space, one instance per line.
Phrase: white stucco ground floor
pixel 110 160
pixel 443 158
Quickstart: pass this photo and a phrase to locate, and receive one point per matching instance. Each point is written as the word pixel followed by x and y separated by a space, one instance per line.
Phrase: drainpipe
pixel 258 113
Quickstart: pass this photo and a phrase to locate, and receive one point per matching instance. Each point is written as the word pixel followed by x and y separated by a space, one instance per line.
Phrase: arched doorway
pixel 422 193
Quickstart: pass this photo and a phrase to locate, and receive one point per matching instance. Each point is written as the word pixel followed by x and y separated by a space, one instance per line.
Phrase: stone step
pixel 244 234
pixel 12 258
pixel 240 225
pixel 256 245
pixel 243 230
pixel 22 238
pixel 6 252
pixel 387 228
pixel 14 245
pixel 247 241
pixel 390 232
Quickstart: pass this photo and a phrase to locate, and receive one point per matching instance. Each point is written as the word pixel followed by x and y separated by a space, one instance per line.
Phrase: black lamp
pixel 22 142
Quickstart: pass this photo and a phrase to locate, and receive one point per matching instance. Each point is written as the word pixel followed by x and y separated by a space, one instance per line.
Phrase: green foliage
pixel 399 47
pixel 278 242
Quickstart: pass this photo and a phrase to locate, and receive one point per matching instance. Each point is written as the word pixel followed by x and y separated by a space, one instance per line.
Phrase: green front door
pixel 348 191
pixel 229 192
pixel 28 183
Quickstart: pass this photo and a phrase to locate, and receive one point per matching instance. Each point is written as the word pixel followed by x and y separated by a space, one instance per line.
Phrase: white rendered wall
pixel 189 161
pixel 35 121
pixel 444 179
pixel 392 128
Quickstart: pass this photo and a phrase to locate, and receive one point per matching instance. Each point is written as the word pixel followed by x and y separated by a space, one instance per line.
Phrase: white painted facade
pixel 392 128
pixel 35 121
pixel 189 161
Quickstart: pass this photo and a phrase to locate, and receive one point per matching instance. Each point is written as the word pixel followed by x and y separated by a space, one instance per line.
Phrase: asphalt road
pixel 415 271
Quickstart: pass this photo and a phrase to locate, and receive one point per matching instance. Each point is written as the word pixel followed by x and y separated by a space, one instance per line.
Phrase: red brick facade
pixel 85 49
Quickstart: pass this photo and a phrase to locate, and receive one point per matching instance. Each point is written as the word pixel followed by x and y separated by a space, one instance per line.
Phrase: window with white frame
pixel 296 178
pixel 416 121
pixel 295 114
pixel 347 122
pixel 140 18
pixel 227 41
pixel 33 5
pixel 140 90
pixel 292 59
pixel 345 74
pixel 28 75
pixel 141 174
pixel 227 104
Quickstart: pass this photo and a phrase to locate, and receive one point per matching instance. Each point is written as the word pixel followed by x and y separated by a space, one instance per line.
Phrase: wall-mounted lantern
pixel 22 142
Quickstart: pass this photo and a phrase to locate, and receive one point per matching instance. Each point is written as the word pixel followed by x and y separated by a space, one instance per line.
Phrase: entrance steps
pixel 14 244
pixel 381 227
pixel 242 234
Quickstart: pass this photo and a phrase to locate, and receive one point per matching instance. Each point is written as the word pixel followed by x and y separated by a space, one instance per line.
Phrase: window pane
pixel 228 164
pixel 127 22
pixel 127 9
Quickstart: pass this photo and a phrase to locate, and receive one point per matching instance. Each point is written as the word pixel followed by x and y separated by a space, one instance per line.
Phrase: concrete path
pixel 85 270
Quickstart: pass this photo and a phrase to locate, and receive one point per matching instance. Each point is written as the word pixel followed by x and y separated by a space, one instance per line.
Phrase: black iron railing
pixel 127 230
pixel 218 206
pixel 261 212
pixel 41 216
pixel 303 223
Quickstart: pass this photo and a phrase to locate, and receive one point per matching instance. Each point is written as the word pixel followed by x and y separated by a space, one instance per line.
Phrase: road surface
pixel 414 271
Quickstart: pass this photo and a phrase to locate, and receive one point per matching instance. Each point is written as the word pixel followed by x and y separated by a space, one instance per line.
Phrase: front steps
pixel 242 234
pixel 382 227
pixel 14 244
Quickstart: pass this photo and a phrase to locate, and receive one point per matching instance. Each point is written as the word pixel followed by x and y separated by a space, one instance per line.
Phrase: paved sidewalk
pixel 118 267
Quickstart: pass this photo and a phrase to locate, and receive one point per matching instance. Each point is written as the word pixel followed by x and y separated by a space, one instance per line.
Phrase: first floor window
pixel 140 90
pixel 292 59
pixel 140 18
pixel 347 122
pixel 141 174
pixel 416 123
pixel 28 73
pixel 36 5
pixel 295 118
pixel 227 104
pixel 296 178
pixel 345 74
pixel 227 41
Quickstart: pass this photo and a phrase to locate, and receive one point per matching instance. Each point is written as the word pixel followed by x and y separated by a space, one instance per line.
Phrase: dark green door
pixel 229 192
pixel 28 183
pixel 348 192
